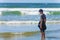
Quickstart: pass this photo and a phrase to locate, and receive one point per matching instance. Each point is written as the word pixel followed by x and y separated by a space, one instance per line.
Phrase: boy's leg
pixel 42 35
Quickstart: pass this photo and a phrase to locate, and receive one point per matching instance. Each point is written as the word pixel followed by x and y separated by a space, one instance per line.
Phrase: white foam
pixel 30 11
pixel 25 22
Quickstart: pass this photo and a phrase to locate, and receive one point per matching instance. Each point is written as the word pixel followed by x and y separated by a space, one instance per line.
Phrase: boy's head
pixel 41 11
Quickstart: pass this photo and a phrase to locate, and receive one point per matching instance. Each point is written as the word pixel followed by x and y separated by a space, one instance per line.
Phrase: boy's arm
pixel 41 23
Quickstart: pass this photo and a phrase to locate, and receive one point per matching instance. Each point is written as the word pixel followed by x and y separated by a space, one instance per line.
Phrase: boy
pixel 42 24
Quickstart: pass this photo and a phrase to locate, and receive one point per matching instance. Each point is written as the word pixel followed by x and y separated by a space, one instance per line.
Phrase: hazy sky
pixel 31 1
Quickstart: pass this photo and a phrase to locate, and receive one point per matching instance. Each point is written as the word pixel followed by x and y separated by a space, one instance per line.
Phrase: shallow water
pixel 28 32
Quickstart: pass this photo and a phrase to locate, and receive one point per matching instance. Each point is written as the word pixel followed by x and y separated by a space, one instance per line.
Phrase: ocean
pixel 28 31
pixel 29 5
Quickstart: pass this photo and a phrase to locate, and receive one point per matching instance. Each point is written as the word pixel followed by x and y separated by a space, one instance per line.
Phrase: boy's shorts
pixel 43 28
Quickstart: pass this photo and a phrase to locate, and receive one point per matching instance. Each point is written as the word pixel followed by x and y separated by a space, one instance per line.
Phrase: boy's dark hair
pixel 40 10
